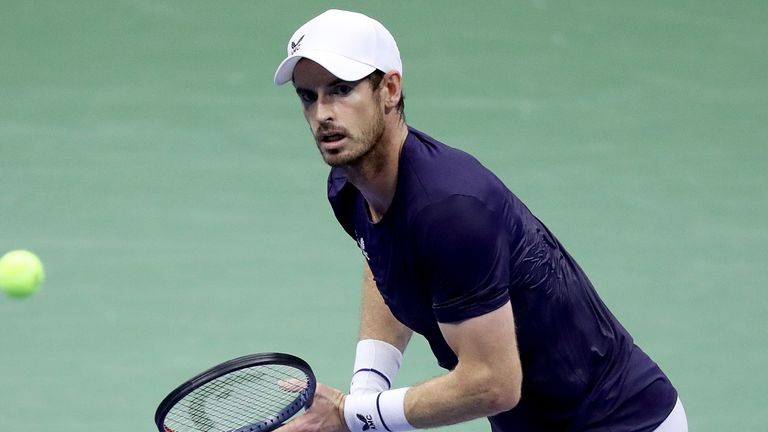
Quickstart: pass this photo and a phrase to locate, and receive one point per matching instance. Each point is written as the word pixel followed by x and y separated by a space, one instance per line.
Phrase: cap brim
pixel 341 67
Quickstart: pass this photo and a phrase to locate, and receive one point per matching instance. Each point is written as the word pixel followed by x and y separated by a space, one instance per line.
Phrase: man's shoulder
pixel 337 180
pixel 434 171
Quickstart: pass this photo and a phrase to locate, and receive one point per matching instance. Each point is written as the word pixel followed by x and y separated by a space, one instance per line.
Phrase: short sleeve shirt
pixel 455 244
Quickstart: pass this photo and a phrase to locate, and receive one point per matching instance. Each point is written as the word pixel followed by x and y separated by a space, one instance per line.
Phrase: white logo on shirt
pixel 361 245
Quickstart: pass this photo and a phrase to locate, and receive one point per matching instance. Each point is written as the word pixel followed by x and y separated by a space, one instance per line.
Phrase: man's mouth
pixel 331 137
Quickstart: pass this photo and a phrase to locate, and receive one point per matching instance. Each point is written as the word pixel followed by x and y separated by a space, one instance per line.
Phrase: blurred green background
pixel 178 201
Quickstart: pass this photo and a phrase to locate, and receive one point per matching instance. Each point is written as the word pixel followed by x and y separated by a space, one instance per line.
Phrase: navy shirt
pixel 455 244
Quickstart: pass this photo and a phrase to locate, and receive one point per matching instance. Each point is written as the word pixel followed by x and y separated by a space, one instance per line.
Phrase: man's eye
pixel 342 90
pixel 306 97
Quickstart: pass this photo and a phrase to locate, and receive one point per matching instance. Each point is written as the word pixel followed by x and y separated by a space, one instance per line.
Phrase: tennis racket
pixel 254 393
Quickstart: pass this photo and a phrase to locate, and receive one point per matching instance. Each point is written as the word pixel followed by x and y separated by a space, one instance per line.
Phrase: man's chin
pixel 345 156
pixel 339 159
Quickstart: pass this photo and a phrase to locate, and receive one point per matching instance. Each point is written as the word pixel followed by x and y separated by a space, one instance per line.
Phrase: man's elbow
pixel 495 389
pixel 503 395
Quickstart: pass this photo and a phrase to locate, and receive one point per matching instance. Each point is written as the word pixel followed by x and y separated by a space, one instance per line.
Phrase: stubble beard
pixel 362 146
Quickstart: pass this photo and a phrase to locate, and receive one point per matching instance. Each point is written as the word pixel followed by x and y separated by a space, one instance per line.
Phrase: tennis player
pixel 452 254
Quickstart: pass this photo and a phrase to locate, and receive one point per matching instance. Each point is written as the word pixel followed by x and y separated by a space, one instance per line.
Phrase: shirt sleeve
pixel 463 254
pixel 342 199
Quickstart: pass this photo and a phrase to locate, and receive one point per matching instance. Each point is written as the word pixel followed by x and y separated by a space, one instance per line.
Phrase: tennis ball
pixel 21 273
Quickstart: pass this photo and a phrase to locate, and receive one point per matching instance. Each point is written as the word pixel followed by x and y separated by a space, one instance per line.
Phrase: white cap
pixel 349 45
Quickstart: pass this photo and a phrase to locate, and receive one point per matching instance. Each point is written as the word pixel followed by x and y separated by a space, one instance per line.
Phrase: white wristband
pixel 376 365
pixel 383 411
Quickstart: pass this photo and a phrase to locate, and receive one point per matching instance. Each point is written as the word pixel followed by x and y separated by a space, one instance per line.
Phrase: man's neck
pixel 376 176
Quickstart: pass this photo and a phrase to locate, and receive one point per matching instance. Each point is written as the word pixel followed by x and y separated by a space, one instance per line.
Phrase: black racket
pixel 254 393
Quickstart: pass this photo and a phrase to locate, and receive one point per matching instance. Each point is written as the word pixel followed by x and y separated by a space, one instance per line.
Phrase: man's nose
pixel 324 110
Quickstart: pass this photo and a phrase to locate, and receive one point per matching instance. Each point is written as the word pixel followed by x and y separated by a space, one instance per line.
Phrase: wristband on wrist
pixel 376 365
pixel 384 411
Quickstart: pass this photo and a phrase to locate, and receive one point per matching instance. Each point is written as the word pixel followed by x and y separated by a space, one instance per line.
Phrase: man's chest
pixel 392 255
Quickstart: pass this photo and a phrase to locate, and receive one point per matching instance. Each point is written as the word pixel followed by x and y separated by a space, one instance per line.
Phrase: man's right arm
pixel 376 320
pixel 383 339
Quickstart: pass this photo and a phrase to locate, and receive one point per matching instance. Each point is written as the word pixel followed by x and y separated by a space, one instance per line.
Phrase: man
pixel 452 254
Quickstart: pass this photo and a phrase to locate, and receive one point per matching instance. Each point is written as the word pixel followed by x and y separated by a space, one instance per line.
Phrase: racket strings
pixel 251 396
pixel 221 404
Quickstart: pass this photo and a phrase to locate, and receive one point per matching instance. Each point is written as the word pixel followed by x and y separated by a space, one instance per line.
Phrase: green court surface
pixel 178 202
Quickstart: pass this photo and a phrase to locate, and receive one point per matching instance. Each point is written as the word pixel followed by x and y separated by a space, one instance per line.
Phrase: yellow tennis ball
pixel 21 273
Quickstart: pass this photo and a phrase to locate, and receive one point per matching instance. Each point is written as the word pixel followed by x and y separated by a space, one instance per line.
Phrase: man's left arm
pixel 486 381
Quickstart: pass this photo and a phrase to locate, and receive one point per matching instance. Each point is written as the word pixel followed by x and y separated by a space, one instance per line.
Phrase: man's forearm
pixel 449 399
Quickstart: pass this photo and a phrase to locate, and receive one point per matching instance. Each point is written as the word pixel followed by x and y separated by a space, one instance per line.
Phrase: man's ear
pixel 392 89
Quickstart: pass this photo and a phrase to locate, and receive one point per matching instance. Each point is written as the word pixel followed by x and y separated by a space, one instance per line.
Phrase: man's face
pixel 346 118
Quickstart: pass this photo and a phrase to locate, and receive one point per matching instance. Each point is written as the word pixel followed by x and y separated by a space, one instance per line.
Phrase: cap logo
pixel 295 45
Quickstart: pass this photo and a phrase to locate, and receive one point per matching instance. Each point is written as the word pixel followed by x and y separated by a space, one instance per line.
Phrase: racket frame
pixel 244 362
